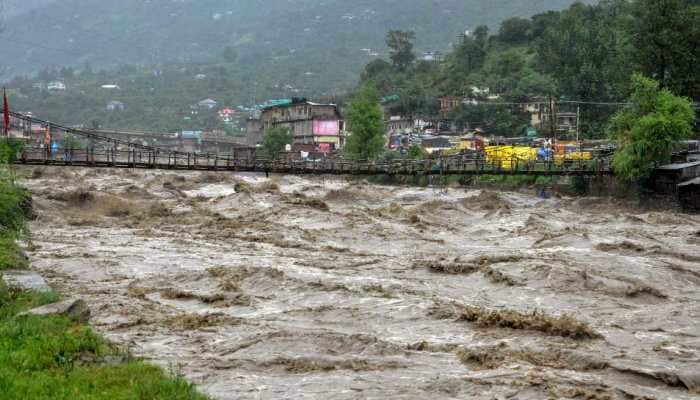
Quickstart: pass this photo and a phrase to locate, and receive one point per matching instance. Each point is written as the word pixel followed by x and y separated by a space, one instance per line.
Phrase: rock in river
pixel 75 309
pixel 25 280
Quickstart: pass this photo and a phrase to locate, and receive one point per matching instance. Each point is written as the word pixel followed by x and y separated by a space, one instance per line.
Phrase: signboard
pixel 326 127
pixel 329 139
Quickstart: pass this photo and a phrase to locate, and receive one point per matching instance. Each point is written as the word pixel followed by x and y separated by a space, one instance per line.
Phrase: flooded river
pixel 313 288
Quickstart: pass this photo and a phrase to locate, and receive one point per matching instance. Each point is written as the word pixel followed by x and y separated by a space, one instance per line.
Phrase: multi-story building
pixel 310 124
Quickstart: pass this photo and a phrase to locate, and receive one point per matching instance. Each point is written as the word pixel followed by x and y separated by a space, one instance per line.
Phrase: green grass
pixel 11 256
pixel 57 358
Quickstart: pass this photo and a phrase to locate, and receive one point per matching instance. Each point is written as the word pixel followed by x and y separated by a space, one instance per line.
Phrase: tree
pixel 401 48
pixel 587 50
pixel 515 31
pixel 275 140
pixel 375 68
pixel 666 35
pixel 493 119
pixel 366 125
pixel 229 54
pixel 649 129
pixel 415 152
pixel 71 142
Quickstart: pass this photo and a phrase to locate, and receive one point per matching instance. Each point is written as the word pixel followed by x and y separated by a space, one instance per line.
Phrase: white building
pixel 57 86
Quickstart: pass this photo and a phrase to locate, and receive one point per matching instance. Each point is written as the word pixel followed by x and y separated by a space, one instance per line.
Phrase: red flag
pixel 6 112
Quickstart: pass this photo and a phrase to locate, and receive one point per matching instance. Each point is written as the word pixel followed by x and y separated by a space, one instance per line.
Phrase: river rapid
pixel 328 288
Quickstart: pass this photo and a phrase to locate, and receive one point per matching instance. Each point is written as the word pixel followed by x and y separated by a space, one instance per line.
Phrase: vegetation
pixel 15 206
pixel 57 358
pixel 401 48
pixel 649 130
pixel 585 53
pixel 275 140
pixel 176 53
pixel 366 123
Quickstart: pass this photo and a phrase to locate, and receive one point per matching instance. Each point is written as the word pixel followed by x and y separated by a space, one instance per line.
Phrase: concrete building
pixel 115 105
pixel 56 86
pixel 449 103
pixel 311 124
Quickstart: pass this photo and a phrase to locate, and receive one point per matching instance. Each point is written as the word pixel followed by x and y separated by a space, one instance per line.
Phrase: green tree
pixel 515 31
pixel 274 141
pixel 649 129
pixel 494 119
pixel 666 37
pixel 588 51
pixel 415 152
pixel 366 125
pixel 69 141
pixel 401 48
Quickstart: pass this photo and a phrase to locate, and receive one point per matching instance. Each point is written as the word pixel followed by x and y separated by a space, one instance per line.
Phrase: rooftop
pixel 673 167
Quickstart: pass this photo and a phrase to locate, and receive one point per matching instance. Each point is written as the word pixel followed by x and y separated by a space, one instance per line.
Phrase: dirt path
pixel 309 288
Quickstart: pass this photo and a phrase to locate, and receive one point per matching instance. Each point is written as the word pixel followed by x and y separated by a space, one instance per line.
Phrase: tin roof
pixel 691 182
pixel 677 166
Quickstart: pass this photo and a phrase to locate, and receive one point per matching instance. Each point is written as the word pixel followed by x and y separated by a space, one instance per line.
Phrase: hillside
pixel 324 37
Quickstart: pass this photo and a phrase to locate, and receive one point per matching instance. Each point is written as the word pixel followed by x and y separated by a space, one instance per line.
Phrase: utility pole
pixel 578 122
pixel 552 131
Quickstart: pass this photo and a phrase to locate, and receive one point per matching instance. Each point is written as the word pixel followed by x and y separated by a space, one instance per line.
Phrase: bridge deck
pixel 189 161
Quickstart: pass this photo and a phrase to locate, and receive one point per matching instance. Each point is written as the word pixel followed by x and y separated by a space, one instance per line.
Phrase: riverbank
pixel 57 356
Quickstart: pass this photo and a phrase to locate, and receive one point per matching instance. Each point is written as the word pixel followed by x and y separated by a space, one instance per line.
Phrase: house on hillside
pixel 56 86
pixel 206 104
pixel 540 117
pixel 315 125
pixel 449 103
pixel 115 105
pixel 226 115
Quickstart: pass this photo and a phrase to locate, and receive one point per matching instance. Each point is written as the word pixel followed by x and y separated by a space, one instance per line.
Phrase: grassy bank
pixel 55 357
pixel 15 207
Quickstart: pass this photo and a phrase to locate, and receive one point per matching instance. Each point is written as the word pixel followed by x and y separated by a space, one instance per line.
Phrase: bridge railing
pixel 153 158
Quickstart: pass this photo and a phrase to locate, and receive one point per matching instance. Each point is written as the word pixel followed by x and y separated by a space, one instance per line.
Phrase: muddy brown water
pixel 313 288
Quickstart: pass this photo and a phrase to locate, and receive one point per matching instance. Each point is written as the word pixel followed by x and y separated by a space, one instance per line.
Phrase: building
pixel 253 131
pixel 56 86
pixel 115 105
pixel 207 104
pixel 110 87
pixel 226 115
pixel 449 103
pixel 566 123
pixel 310 124
pixel 190 141
pixel 689 195
pixel 398 125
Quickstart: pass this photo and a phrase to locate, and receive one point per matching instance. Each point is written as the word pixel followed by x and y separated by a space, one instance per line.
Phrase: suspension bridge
pixel 107 152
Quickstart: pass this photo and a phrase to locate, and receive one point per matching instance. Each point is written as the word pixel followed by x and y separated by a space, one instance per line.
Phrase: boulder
pixel 24 280
pixel 75 309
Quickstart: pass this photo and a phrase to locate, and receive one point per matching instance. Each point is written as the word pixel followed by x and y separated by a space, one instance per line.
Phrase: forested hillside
pixel 584 54
pixel 323 37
